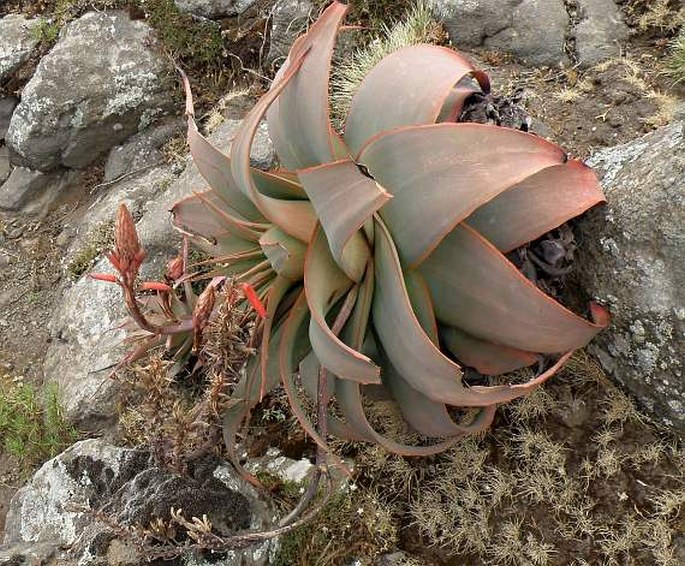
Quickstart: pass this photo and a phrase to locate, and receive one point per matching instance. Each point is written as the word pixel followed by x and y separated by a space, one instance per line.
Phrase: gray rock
pixel 532 30
pixel 634 261
pixel 399 558
pixel 138 193
pixel 87 342
pixel 7 106
pixel 5 166
pixel 17 42
pixel 289 18
pixel 215 9
pixel 115 88
pixel 141 149
pixel 263 154
pixel 34 192
pixel 56 507
pixel 31 553
pixel 284 468
pixel 600 31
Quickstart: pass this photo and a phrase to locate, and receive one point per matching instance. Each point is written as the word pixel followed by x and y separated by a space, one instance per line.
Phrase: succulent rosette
pixel 380 253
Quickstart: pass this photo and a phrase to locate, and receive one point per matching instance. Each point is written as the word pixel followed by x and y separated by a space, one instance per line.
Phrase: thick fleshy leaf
pixel 299 121
pixel 454 103
pixel 476 289
pixel 485 357
pixel 537 205
pixel 356 329
pixel 429 417
pixel 408 87
pixel 296 217
pixel 285 253
pixel 207 215
pixel 324 285
pixel 349 397
pixel 440 174
pixel 422 304
pixel 278 185
pixel 289 360
pixel 409 348
pixel 213 165
pixel 422 413
pixel 344 199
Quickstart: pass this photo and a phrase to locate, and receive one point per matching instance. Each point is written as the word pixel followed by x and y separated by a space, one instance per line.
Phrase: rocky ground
pixel 591 76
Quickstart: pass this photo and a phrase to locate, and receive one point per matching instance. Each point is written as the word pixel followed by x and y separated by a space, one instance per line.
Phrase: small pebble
pixel 63 239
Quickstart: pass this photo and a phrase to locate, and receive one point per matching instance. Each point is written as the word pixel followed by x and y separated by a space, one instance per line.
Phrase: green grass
pixel 46 31
pixel 353 523
pixel 675 64
pixel 32 424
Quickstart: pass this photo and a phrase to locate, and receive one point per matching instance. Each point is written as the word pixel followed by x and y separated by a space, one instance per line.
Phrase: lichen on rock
pixel 116 86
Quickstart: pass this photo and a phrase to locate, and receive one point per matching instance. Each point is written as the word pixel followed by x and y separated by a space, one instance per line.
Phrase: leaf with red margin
pixel 296 217
pixel 207 214
pixel 324 284
pixel 485 357
pixel 407 88
pixel 477 290
pixel 299 120
pixel 344 199
pixel 409 348
pixel 440 174
pixel 537 205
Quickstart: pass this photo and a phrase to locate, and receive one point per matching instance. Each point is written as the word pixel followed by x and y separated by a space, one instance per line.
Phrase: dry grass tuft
pixel 417 27
pixel 540 491
pixel 176 413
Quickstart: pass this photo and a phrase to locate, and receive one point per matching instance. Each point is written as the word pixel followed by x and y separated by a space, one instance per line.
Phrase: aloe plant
pixel 379 253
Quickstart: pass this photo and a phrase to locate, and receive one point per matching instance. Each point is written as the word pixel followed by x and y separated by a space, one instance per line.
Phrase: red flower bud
pixel 127 249
pixel 155 286
pixel 107 277
pixel 174 268
pixel 253 299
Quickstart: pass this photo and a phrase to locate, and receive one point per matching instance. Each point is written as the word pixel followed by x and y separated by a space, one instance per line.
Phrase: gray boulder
pixel 5 167
pixel 58 505
pixel 17 42
pixel 86 339
pixel 215 9
pixel 115 88
pixel 600 31
pixel 7 106
pixel 289 18
pixel 531 30
pixel 141 149
pixel 87 342
pixel 634 261
pixel 35 192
